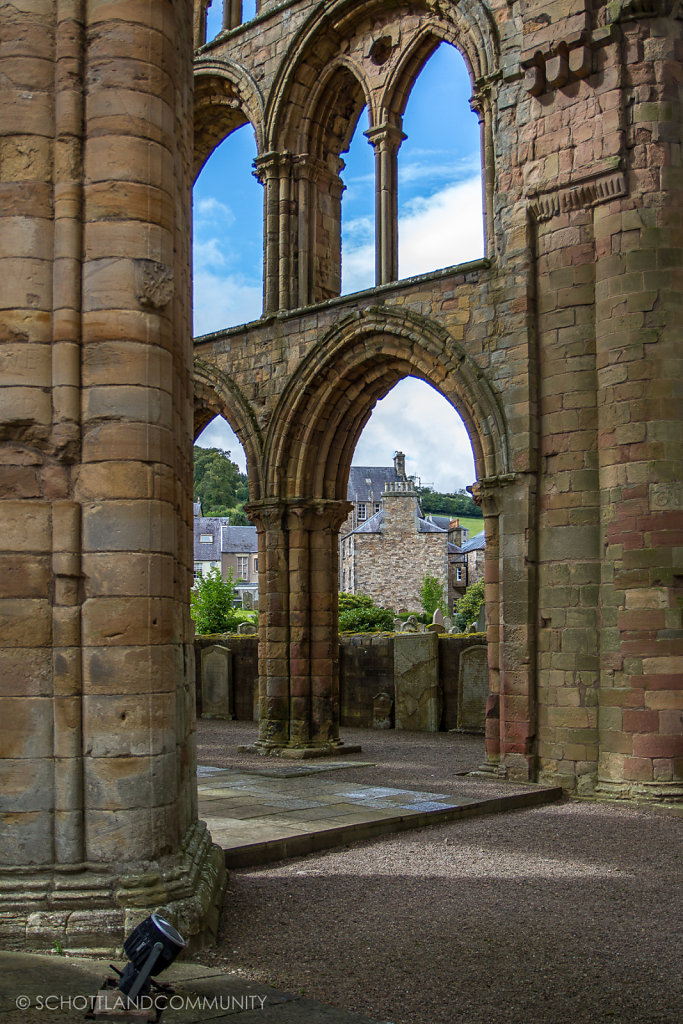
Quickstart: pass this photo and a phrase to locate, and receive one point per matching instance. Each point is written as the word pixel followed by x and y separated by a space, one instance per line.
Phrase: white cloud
pixel 416 419
pixel 224 300
pixel 209 209
pixel 444 229
pixel 433 232
pixel 208 253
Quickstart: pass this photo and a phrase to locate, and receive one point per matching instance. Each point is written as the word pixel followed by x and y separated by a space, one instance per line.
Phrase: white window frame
pixel 242 561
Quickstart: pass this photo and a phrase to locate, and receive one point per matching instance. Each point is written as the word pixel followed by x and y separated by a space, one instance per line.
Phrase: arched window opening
pixel 228 237
pixel 439 170
pixel 224 538
pixel 407 484
pixel 358 212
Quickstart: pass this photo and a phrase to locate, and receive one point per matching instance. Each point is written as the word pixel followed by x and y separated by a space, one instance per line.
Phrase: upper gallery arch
pixel 226 97
pixel 385 47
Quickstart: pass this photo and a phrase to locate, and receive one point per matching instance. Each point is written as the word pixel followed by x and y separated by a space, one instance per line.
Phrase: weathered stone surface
pixel 216 682
pixel 416 682
pixel 473 689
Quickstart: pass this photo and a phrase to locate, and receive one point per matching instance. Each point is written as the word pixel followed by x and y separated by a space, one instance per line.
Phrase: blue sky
pixel 440 224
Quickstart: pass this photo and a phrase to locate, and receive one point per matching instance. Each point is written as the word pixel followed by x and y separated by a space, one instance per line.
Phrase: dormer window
pixel 362 511
pixel 206 538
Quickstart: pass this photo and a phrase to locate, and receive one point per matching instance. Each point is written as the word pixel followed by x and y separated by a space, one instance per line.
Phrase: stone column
pixel 232 13
pixel 98 775
pixel 267 170
pixel 298 655
pixel 386 140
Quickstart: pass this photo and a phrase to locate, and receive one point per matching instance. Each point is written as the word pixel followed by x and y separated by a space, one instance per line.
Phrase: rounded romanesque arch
pixel 328 401
pixel 215 394
pixel 225 98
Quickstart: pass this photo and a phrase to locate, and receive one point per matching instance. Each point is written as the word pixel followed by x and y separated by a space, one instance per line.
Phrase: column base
pixel 84 908
pixel 300 753
pixel 651 792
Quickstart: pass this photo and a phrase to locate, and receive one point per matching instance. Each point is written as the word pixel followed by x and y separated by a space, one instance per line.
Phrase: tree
pixel 432 595
pixel 218 483
pixel 470 603
pixel 212 603
pixel 458 504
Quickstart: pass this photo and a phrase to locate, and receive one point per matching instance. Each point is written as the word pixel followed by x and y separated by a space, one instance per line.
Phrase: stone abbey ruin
pixel 560 349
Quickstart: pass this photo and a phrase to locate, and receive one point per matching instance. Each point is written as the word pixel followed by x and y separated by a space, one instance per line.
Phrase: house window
pixel 206 538
pixel 458 574
pixel 256 565
pixel 362 511
pixel 197 569
pixel 243 567
pixel 378 506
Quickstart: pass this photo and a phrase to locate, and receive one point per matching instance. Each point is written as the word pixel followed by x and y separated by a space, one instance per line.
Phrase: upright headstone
pixel 416 682
pixel 247 600
pixel 481 620
pixel 217 695
pixel 382 706
pixel 473 688
pixel 246 628
pixel 437 618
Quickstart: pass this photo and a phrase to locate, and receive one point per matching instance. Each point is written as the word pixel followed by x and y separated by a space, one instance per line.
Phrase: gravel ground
pixel 567 914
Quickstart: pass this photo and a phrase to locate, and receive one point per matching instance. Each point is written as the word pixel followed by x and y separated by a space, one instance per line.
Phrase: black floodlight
pixel 151 948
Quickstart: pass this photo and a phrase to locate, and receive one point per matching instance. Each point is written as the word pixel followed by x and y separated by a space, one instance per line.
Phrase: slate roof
pixel 360 490
pixel 208 552
pixel 443 522
pixel 424 526
pixel 239 540
pixel 477 543
pixel 374 525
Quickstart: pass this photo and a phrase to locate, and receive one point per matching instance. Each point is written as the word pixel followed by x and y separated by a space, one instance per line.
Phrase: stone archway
pixel 307 454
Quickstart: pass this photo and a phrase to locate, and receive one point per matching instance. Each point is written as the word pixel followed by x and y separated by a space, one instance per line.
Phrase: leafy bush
pixel 349 601
pixel 432 595
pixel 366 620
pixel 211 603
pixel 470 603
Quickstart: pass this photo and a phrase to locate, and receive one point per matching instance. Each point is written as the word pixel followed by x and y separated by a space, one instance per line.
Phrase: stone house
pixel 388 554
pixel 217 544
pixel 465 563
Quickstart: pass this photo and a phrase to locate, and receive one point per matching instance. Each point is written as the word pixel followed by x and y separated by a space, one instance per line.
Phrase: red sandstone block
pixel 640 721
pixel 657 681
pixel 638 769
pixel 657 746
pixel 670 722
pixel 642 619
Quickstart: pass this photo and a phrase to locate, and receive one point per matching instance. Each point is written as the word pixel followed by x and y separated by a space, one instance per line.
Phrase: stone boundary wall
pixel 366 668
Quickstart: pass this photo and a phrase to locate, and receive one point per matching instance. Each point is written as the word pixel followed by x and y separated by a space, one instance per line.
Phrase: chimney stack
pixel 400 465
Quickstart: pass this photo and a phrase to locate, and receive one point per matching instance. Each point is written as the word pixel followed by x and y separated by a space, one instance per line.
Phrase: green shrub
pixel 212 603
pixel 470 603
pixel 366 620
pixel 349 601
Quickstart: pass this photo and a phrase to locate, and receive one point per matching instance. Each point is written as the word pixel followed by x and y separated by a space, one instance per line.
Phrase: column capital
pixel 298 513
pixel 271 165
pixel 385 136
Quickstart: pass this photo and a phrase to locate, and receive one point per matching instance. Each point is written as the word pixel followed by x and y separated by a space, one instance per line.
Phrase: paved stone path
pixel 284 811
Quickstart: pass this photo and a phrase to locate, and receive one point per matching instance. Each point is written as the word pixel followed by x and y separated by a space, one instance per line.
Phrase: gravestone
pixel 437 618
pixel 382 706
pixel 416 682
pixel 247 600
pixel 481 620
pixel 473 688
pixel 216 677
pixel 246 628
